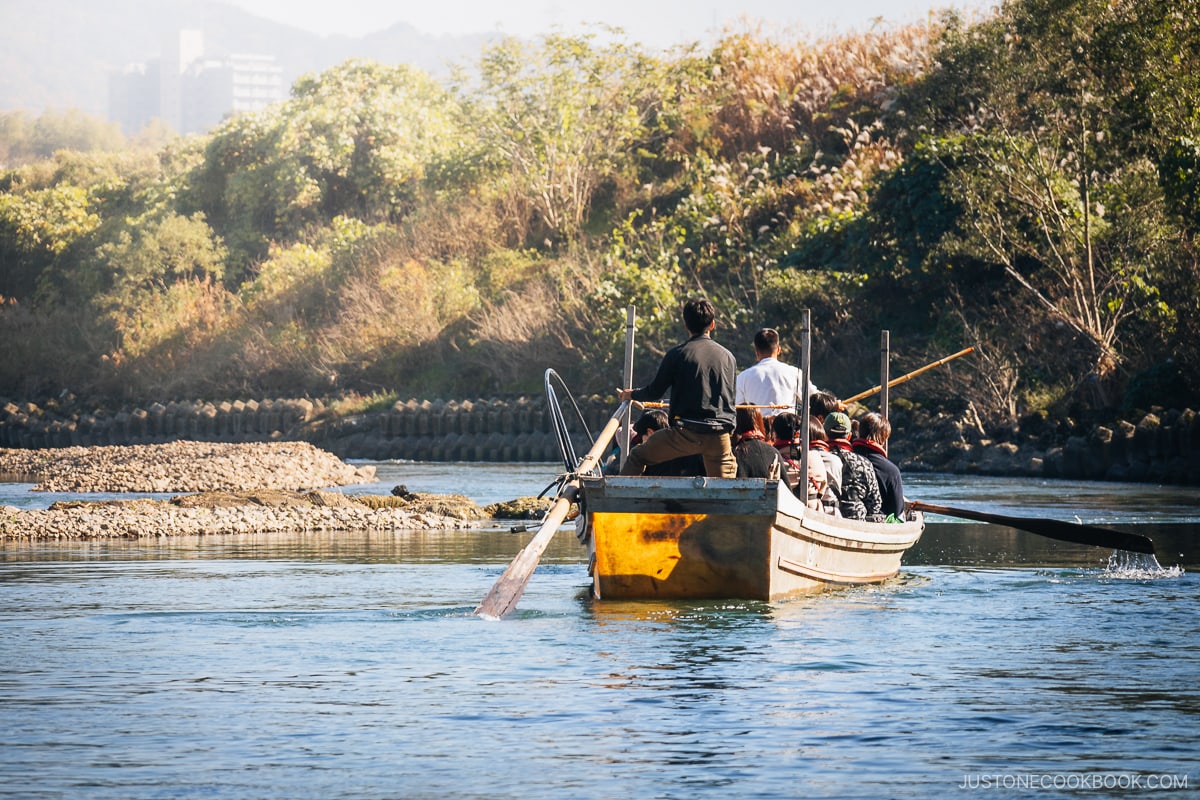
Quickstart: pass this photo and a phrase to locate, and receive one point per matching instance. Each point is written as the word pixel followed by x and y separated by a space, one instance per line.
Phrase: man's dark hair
pixel 698 314
pixel 654 419
pixel 766 340
pixel 823 403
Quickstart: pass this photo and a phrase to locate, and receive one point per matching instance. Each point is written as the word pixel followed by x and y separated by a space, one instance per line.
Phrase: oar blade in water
pixel 1079 533
pixel 508 588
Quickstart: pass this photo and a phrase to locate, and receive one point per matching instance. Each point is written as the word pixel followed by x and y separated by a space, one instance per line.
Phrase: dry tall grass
pixel 773 94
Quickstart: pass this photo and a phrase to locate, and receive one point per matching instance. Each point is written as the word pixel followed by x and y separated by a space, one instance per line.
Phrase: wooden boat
pixel 701 537
pixel 726 538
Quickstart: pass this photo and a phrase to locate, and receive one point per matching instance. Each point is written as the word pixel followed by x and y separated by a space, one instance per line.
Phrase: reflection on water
pixel 385 547
pixel 946 544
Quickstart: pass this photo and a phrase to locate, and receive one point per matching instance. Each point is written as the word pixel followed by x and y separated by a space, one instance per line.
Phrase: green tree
pixel 39 230
pixel 24 139
pixel 172 250
pixel 1052 171
pixel 353 141
pixel 559 119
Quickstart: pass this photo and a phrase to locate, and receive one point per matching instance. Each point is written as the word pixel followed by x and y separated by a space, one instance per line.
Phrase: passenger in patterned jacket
pixel 859 497
pixel 873 433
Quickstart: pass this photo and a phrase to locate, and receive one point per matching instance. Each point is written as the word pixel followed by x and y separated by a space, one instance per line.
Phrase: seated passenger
pixel 648 424
pixel 755 458
pixel 818 483
pixel 873 433
pixel 785 432
pixel 819 449
pixel 859 498
pixel 822 404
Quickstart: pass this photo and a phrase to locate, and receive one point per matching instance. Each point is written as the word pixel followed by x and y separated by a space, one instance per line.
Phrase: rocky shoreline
pixel 183 466
pixel 268 487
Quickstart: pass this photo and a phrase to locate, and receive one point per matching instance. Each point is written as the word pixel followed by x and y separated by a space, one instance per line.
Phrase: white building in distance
pixel 190 92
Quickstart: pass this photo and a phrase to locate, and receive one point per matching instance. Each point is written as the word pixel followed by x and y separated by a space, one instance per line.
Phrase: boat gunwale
pixel 774 496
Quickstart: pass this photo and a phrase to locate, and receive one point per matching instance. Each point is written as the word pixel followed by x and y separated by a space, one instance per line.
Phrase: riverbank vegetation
pixel 1028 184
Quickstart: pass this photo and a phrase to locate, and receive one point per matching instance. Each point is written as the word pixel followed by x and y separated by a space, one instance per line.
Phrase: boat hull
pixel 721 538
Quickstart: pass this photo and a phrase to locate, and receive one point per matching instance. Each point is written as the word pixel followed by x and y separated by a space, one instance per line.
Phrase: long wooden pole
pixel 1052 528
pixel 783 406
pixel 502 599
pixel 805 402
pixel 885 371
pixel 627 422
pixel 909 376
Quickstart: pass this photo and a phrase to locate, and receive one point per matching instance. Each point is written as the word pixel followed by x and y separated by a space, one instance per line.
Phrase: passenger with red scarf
pixel 784 429
pixel 819 447
pixel 756 458
pixel 859 497
pixel 873 433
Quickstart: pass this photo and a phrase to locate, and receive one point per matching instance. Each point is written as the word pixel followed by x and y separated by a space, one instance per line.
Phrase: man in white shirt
pixel 770 382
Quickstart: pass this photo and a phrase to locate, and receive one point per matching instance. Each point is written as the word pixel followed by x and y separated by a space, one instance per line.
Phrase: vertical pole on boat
pixel 627 420
pixel 805 400
pixel 885 346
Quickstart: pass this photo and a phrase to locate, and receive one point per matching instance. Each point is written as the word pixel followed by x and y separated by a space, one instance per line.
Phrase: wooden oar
pixel 1052 528
pixel 508 588
pixel 908 377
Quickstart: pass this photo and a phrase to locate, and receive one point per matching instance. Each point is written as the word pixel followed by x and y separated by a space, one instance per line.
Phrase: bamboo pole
pixel 909 376
pixel 885 373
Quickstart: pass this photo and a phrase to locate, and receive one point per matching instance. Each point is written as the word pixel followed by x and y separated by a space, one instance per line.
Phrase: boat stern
pixel 679 537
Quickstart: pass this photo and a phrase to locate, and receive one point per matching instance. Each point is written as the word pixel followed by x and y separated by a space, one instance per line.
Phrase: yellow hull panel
pixel 680 555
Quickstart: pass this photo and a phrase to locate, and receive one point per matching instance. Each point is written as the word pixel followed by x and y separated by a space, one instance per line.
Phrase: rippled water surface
pixel 335 666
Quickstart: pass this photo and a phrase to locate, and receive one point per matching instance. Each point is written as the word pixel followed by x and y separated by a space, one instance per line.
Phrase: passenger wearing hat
pixel 837 428
pixel 860 497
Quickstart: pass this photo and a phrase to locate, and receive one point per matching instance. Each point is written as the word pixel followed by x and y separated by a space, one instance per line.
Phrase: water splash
pixel 1125 565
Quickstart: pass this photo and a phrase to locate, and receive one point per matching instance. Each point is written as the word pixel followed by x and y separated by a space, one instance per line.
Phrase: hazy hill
pixel 58 53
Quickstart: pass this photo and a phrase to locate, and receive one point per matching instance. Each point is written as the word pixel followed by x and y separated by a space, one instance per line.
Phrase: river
pixel 351 666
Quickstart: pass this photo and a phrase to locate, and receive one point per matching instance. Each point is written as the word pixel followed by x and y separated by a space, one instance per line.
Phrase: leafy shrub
pixel 1160 385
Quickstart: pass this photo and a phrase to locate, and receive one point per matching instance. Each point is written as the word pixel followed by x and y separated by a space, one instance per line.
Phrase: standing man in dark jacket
pixel 700 375
pixel 873 433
